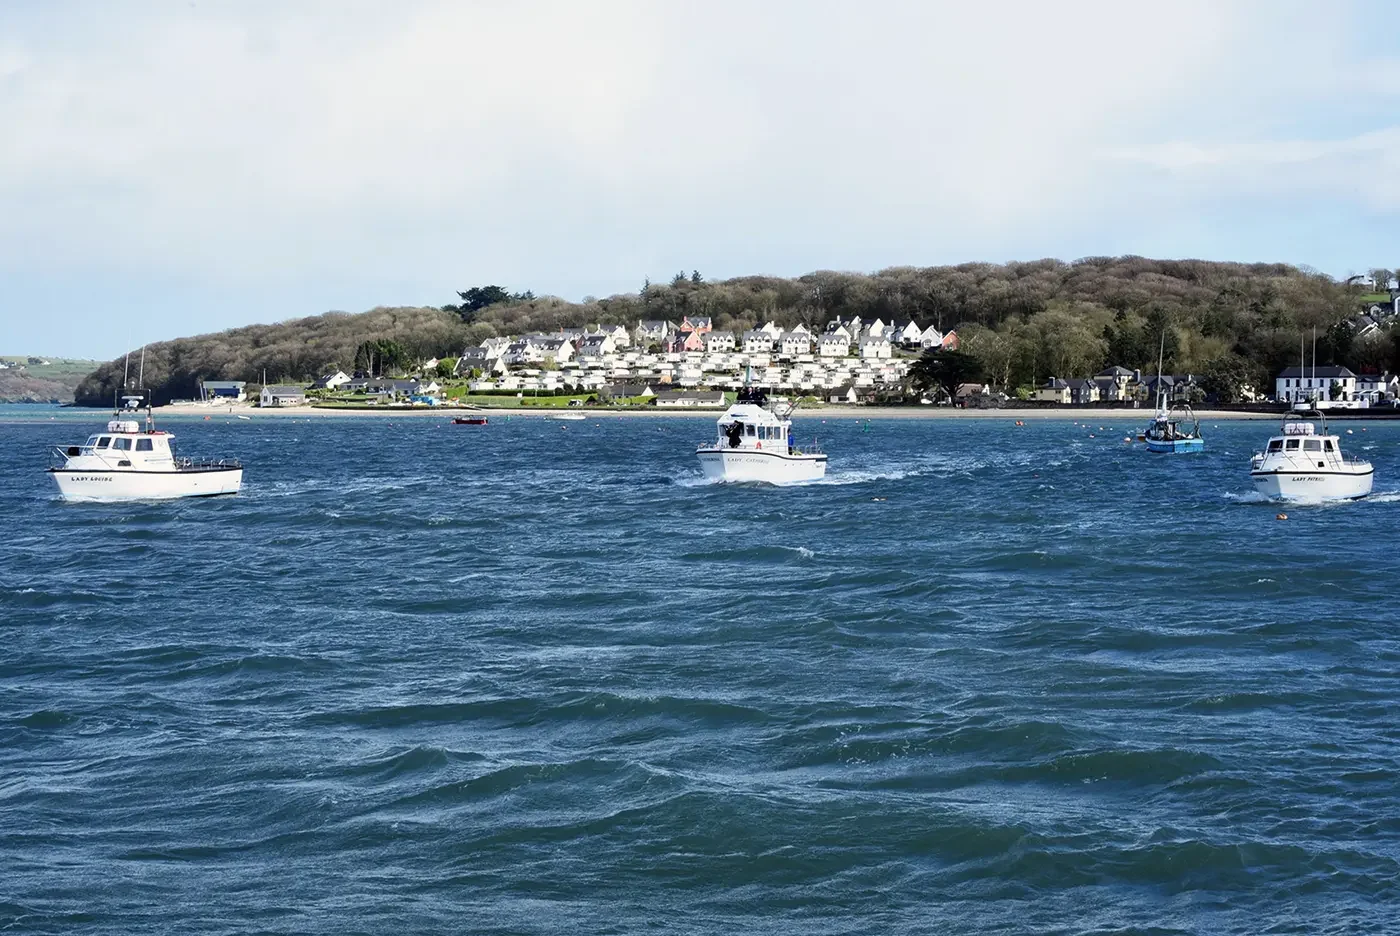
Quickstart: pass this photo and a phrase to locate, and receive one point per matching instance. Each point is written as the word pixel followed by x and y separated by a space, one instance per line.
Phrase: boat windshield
pixel 1276 445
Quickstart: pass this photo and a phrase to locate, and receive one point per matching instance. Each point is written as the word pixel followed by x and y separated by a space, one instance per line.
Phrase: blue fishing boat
pixel 1174 429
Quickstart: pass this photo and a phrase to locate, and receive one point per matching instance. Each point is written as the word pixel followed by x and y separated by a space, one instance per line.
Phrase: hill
pixel 1025 322
pixel 27 378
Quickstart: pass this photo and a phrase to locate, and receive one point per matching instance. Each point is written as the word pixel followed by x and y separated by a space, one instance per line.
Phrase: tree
pixel 480 297
pixel 944 370
pixel 1228 377
pixel 446 367
pixel 1380 279
pixel 695 278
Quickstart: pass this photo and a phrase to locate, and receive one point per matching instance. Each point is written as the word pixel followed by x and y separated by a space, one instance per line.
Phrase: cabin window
pixel 749 430
pixel 143 445
pixel 1292 444
pixel 121 444
pixel 1312 445
pixel 1327 446
pixel 104 441
pixel 1276 445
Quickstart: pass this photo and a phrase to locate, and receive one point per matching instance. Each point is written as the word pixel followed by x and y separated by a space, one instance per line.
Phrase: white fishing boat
pixel 127 462
pixel 1301 463
pixel 754 443
pixel 569 417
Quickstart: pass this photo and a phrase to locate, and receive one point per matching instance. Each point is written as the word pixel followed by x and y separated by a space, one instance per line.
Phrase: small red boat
pixel 470 420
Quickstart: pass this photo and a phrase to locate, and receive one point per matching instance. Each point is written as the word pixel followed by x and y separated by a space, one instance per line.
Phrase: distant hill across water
pixel 1025 322
pixel 29 378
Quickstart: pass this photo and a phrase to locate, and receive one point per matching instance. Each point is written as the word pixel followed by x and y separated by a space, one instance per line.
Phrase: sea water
pixel 537 677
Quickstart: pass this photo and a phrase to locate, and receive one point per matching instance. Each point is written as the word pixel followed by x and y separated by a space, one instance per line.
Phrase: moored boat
pixel 1301 463
pixel 1174 430
pixel 127 462
pixel 469 420
pixel 754 443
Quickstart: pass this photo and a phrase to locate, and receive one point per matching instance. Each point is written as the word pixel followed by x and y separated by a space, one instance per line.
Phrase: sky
pixel 176 167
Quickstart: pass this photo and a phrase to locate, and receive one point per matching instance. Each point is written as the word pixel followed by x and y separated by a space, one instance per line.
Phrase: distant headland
pixel 1018 329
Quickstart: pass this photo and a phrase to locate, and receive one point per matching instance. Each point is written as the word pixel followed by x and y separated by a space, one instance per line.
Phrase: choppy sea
pixel 537 677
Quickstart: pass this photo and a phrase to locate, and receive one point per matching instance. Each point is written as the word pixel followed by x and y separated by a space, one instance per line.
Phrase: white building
pixel 876 347
pixel 794 344
pixel 1329 384
pixel 719 341
pixel 834 344
pixel 282 395
pixel 595 347
pixel 758 341
pixel 331 381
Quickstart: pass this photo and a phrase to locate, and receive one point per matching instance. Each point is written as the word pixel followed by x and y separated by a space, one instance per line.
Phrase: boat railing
pixel 186 463
pixel 59 454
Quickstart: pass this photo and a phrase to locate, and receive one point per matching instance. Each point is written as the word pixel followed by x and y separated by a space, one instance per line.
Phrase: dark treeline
pixel 1025 322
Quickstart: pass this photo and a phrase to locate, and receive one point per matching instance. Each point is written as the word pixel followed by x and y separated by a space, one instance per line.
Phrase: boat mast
pixel 1161 354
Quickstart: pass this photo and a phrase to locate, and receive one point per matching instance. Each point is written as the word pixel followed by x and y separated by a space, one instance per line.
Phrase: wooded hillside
pixel 1026 322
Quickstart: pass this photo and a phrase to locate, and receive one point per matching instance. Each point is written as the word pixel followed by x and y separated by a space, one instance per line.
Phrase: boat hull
pixel 1312 485
pixel 1175 446
pixel 100 486
pixel 757 465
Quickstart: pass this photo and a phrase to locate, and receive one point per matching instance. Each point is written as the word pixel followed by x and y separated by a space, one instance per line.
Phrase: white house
pixel 794 344
pixel 772 329
pixel 1329 384
pixel 1055 390
pixel 758 341
pixel 719 341
pixel 654 331
pixel 848 324
pixel 1374 388
pixel 931 338
pixel 331 381
pixel 834 344
pixel 621 338
pixel 875 347
pixel 595 347
pixel 907 334
pixel 282 395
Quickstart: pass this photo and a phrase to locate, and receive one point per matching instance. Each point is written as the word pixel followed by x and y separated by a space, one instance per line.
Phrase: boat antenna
pixel 141 374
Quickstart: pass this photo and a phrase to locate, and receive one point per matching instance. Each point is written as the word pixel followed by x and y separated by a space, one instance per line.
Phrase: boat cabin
pixel 751 424
pixel 1301 445
pixel 125 445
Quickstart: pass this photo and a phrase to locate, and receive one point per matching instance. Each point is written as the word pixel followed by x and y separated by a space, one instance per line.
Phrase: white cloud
pixel 576 147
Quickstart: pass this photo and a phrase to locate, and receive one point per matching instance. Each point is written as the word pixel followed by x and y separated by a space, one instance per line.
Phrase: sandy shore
pixel 826 412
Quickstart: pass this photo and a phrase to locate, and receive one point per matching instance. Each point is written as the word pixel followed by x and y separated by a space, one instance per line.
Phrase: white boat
pixel 1302 464
pixel 127 462
pixel 754 443
pixel 572 417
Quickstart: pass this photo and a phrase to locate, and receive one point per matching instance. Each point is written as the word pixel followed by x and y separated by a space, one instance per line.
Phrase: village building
pixel 1328 384
pixel 282 395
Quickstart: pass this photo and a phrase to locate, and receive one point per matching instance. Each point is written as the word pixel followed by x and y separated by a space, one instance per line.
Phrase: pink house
pixel 950 341
pixel 686 341
pixel 698 325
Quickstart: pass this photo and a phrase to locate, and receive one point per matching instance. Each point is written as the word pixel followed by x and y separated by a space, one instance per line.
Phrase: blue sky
pixel 175 168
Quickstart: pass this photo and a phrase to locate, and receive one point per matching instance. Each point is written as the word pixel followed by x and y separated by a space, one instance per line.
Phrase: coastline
pixel 827 412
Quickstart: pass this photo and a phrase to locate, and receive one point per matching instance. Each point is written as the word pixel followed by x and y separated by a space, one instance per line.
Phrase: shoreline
pixel 864 412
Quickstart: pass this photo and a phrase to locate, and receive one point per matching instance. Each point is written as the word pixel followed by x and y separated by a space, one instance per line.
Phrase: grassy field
pixel 55 379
